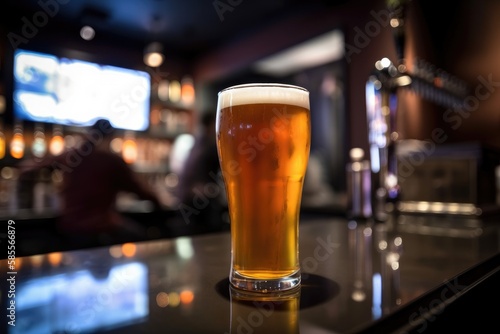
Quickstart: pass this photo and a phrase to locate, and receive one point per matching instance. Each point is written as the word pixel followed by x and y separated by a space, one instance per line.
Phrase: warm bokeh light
pixel 2 145
pixel 187 91
pixel 7 173
pixel 37 260
pixel 186 297
pixel 3 103
pixel 18 263
pixel 153 54
pixel 129 249
pixel 174 91
pixel 174 299
pixel 55 258
pixel 398 241
pixel 395 265
pixel 17 146
pixel 115 251
pixel 116 145
pixel 163 88
pixel 162 299
pixel 394 22
pixel 155 116
pixel 56 145
pixel 153 59
pixel 171 180
pixel 129 151
pixel 69 141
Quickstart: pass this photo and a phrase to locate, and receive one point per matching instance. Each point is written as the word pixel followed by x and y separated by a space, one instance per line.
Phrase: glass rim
pixel 263 84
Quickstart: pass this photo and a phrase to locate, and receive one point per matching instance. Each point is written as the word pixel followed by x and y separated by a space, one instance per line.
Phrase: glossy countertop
pixel 354 274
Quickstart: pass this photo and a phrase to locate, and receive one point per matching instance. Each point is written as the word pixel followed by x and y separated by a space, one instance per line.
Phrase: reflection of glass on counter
pixel 264 313
pixel 389 247
pixel 360 239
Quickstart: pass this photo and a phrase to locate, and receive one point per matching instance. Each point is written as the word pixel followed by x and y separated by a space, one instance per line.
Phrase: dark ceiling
pixel 190 27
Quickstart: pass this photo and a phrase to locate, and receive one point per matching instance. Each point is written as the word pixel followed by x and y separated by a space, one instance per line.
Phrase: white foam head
pixel 263 93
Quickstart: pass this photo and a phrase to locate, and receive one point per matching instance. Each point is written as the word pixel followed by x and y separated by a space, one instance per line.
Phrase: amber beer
pixel 263 140
pixel 266 313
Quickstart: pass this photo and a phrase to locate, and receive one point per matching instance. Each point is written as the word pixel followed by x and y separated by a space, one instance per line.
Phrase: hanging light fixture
pixel 153 54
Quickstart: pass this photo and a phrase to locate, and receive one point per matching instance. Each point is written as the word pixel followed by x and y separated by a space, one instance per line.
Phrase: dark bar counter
pixel 411 274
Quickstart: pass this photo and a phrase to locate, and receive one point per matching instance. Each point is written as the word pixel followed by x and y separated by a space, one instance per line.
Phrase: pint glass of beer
pixel 263 141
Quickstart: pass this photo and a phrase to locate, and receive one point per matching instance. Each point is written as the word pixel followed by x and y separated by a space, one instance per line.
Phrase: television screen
pixel 72 92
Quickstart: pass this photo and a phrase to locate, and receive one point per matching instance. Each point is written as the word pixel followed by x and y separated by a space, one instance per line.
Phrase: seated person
pixel 201 193
pixel 93 176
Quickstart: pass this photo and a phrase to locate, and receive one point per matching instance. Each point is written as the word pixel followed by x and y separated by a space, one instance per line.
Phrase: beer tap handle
pixel 437 86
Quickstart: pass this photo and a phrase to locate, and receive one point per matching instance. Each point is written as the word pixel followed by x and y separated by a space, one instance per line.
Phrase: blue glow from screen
pixel 77 93
pixel 79 302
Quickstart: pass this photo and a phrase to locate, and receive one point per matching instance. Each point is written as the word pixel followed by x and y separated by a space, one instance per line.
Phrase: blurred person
pixel 200 191
pixel 93 176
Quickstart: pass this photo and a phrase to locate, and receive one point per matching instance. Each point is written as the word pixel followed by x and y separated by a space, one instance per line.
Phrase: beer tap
pixel 382 88
pixel 381 107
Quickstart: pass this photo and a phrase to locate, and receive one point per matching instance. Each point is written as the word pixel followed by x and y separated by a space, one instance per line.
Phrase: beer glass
pixel 263 141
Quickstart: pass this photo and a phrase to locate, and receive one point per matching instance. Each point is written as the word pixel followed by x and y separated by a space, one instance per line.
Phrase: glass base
pixel 264 286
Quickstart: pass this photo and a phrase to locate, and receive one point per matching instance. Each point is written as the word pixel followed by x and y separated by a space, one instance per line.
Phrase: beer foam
pixel 263 93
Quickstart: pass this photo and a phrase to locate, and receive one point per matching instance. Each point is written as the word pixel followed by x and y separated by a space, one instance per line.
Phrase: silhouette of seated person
pixel 200 191
pixel 93 176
